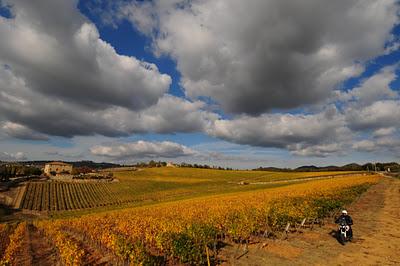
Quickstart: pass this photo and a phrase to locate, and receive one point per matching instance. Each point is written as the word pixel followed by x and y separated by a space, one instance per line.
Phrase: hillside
pixel 147 186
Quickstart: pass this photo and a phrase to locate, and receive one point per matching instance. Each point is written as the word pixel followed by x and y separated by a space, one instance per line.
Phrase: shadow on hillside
pixel 7 213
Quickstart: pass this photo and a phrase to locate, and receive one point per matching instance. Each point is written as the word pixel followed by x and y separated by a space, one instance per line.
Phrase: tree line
pixel 8 171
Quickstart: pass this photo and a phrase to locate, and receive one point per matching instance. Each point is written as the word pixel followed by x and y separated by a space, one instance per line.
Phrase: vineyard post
pixel 302 224
pixel 208 256
pixel 286 231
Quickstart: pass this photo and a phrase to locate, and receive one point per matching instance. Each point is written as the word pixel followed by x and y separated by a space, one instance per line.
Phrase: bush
pixel 240 225
pixel 289 210
pixel 325 206
pixel 134 252
pixel 189 246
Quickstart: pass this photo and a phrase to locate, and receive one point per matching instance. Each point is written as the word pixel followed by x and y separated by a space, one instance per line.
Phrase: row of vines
pixel 191 230
pixel 59 196
pixel 14 240
pixel 70 251
pixel 5 231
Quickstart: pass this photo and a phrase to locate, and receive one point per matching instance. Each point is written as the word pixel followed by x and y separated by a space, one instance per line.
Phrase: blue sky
pixel 200 81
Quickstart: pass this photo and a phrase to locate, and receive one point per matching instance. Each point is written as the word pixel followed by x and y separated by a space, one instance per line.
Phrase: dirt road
pixel 376 241
pixel 379 230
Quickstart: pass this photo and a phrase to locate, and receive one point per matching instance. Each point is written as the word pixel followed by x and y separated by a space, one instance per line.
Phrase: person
pixel 344 217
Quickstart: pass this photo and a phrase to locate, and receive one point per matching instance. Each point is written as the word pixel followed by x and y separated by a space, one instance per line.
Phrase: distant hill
pixel 307 168
pixel 273 169
pixel 354 167
pixel 89 164
pixel 393 166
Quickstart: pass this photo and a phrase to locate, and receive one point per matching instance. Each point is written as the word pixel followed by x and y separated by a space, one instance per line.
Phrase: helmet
pixel 344 212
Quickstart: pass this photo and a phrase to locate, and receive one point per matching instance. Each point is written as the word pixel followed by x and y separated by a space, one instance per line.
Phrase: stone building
pixel 57 168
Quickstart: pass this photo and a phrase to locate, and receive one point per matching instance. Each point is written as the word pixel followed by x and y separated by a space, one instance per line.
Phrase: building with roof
pixel 56 168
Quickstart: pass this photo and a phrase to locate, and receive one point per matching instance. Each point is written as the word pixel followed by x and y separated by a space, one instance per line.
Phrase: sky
pixel 231 83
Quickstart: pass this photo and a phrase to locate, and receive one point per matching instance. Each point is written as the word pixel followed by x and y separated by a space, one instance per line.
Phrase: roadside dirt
pixel 37 250
pixel 43 252
pixel 376 237
pixel 93 253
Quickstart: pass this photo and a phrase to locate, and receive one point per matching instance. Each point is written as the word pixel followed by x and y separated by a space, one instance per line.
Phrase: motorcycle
pixel 343 233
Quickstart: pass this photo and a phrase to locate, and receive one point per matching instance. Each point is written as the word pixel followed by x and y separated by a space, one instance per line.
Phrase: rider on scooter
pixel 347 219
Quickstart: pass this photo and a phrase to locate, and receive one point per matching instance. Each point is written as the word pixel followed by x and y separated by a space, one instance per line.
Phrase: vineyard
pixel 149 186
pixel 191 231
pixel 58 196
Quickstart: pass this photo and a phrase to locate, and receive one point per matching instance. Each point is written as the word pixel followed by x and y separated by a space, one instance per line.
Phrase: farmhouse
pixel 170 164
pixel 57 168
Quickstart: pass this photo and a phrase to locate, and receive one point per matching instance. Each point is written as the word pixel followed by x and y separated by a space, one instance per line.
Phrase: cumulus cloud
pixel 58 53
pixel 58 78
pixel 284 55
pixel 142 149
pixel 171 114
pixel 311 135
pixel 20 105
pixel 380 114
pixel 21 132
pixel 386 131
pixel 364 145
pixel 323 150
pixel 373 105
pixel 374 88
pixel 18 156
pixel 381 144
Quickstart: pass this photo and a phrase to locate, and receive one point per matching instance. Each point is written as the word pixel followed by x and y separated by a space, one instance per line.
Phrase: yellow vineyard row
pixel 184 228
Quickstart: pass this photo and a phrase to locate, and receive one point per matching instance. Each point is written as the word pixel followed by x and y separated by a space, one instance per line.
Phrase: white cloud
pixel 57 77
pixel 254 56
pixel 58 54
pixel 279 130
pixel 21 132
pixel 20 105
pixel 380 114
pixel 142 149
pixel 364 145
pixel 386 144
pixel 323 150
pixel 374 88
pixel 319 134
pixel 386 131
pixel 171 114
pixel 18 156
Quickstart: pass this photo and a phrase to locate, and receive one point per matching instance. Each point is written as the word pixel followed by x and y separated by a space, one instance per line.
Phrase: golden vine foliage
pixel 236 216
pixel 70 251
pixel 15 245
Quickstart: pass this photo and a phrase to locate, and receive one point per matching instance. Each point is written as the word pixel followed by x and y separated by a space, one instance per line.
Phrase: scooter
pixel 343 233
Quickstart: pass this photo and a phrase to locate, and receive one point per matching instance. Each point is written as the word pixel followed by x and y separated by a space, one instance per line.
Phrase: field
pixel 58 196
pixel 152 185
pixel 182 216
